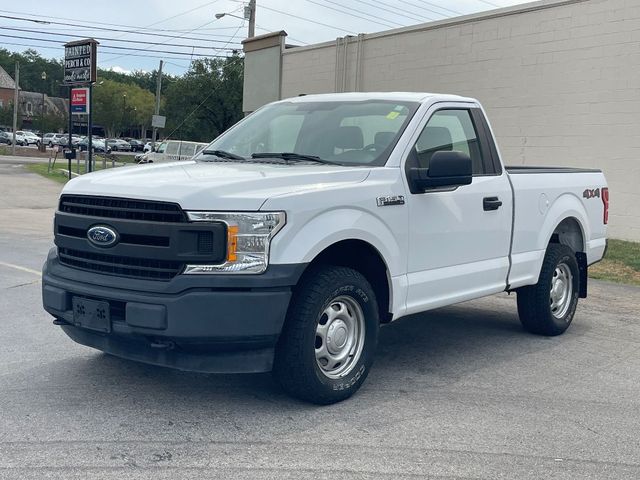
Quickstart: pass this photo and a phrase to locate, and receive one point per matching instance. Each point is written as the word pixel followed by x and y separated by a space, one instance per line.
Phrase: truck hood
pixel 213 185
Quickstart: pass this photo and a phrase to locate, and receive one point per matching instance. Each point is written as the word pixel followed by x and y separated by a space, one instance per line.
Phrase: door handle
pixel 491 203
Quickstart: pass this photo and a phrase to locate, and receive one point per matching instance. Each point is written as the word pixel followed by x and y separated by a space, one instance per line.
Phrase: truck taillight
pixel 605 202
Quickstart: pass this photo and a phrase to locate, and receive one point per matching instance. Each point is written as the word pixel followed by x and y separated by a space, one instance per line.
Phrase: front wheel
pixel 548 307
pixel 330 336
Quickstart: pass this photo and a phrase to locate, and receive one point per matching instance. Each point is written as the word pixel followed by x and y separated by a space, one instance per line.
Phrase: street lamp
pixel 249 14
pixel 44 84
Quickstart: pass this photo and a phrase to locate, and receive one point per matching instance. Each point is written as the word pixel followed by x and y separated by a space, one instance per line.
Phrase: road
pixel 460 392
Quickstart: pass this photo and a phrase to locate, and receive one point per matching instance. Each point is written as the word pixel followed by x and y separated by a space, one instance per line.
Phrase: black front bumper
pixel 206 323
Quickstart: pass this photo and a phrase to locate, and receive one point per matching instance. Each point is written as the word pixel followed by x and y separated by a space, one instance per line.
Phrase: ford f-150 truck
pixel 290 239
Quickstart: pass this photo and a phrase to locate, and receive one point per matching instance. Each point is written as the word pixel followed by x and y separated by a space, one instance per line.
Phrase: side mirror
pixel 446 169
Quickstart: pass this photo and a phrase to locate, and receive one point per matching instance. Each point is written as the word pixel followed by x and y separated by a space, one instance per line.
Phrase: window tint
pixel 450 130
pixel 172 148
pixel 186 149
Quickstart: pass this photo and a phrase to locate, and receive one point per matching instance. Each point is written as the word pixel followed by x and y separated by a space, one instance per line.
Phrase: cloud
pixel 119 69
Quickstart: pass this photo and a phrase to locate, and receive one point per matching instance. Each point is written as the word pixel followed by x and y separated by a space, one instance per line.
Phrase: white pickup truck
pixel 290 239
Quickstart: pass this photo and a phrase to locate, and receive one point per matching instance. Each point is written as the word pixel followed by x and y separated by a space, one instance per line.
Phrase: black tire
pixel 535 302
pixel 296 367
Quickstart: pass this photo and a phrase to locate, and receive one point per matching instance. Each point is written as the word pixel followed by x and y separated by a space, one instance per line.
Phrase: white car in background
pixel 20 138
pixel 31 138
pixel 171 151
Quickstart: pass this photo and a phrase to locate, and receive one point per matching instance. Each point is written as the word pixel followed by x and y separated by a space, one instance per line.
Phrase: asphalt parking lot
pixel 460 392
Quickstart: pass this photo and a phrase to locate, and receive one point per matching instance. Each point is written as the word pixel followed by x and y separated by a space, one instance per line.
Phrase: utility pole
pixel 16 99
pixel 157 111
pixel 252 18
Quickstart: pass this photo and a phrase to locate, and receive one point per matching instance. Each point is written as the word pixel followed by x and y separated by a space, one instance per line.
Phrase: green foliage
pixel 199 105
pixel 31 67
pixel 120 105
pixel 6 115
pixel 206 100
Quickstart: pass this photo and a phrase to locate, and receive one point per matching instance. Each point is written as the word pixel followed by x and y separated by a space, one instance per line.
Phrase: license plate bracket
pixel 91 314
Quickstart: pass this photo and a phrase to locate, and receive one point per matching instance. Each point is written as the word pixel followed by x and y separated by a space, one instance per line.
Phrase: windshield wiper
pixel 293 156
pixel 223 154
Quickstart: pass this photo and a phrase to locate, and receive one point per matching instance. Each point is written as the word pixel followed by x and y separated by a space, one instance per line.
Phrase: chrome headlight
pixel 248 238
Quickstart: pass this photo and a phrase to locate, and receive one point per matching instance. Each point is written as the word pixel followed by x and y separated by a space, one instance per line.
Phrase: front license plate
pixel 91 314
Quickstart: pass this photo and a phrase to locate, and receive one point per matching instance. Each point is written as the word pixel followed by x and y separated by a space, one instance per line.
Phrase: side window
pixel 187 149
pixel 450 130
pixel 172 148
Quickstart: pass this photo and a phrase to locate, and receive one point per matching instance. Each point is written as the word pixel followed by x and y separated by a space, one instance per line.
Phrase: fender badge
pixel 390 200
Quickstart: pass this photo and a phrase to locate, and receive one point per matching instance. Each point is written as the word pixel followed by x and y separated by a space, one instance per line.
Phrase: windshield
pixel 346 133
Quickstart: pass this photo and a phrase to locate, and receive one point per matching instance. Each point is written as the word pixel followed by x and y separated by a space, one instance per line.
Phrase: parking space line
pixel 23 269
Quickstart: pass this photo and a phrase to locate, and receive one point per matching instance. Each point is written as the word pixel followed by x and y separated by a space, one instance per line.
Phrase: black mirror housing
pixel 446 169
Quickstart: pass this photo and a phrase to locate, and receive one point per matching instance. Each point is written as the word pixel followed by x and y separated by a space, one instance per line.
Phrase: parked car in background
pixel 6 137
pixel 148 147
pixel 97 144
pixel 118 145
pixel 51 139
pixel 31 138
pixel 172 150
pixel 136 145
pixel 21 139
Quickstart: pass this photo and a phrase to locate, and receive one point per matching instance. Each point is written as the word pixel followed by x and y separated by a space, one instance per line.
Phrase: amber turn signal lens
pixel 232 243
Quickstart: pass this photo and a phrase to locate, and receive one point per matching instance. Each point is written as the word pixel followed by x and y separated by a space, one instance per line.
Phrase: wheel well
pixel 366 259
pixel 569 233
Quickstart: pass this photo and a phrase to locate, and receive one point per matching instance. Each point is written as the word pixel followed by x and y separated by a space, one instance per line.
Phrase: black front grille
pixel 152 269
pixel 155 241
pixel 123 208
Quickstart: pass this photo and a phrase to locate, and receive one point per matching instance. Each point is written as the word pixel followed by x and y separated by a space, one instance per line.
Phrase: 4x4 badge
pixel 591 193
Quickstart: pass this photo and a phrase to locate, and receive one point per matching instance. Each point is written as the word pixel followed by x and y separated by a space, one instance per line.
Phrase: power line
pixel 131 54
pixel 106 29
pixel 116 47
pixel 490 3
pixel 455 12
pixel 387 23
pixel 420 18
pixel 115 39
pixel 306 19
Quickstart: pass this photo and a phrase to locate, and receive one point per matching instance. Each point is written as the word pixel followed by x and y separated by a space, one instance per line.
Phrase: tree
pixel 6 115
pixel 206 100
pixel 118 106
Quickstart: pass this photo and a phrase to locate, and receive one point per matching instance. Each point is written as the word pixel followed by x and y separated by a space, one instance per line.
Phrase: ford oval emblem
pixel 102 236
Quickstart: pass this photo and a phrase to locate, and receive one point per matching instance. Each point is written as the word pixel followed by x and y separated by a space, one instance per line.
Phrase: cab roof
pixel 419 97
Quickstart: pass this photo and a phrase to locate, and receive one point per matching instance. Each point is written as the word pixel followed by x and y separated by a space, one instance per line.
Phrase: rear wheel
pixel 548 307
pixel 329 339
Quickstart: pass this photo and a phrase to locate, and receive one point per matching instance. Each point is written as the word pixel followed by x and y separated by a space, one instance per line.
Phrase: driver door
pixel 458 247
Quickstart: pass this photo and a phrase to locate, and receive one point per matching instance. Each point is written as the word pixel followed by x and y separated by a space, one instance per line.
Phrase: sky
pixel 179 31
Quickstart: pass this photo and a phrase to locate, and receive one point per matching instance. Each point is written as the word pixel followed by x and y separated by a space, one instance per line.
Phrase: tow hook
pixel 163 344
pixel 59 321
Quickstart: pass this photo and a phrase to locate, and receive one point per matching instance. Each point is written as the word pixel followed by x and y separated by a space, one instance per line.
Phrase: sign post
pixel 80 68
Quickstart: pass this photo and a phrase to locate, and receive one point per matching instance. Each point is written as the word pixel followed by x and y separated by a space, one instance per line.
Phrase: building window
pixel 29 109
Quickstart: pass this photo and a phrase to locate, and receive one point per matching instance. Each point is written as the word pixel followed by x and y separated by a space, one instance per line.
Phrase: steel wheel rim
pixel 561 292
pixel 339 337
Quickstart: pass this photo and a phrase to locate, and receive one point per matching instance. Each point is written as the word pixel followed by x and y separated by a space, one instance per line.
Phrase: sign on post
pixel 80 101
pixel 158 121
pixel 80 62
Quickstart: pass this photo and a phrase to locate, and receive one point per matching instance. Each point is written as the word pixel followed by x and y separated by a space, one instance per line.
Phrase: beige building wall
pixel 560 81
